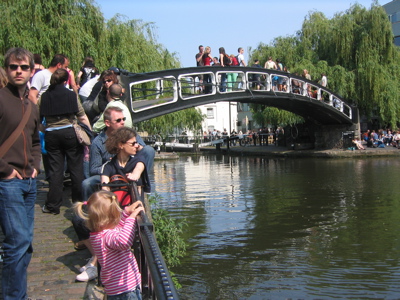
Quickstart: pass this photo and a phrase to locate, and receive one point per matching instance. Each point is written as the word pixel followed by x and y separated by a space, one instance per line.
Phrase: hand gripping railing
pixel 156 279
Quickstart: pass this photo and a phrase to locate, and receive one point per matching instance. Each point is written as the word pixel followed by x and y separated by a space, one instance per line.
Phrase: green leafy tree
pixel 355 50
pixel 74 28
pixel 188 119
pixel 78 29
pixel 264 115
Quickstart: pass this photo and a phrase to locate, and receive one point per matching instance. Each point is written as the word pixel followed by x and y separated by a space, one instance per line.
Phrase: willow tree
pixel 48 27
pixel 355 50
pixel 77 29
pixel 132 45
pixel 188 119
pixel 264 115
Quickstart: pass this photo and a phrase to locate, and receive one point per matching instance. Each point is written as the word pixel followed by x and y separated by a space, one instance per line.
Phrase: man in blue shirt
pixel 113 119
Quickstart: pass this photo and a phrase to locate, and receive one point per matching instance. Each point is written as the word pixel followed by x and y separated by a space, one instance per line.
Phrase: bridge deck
pixel 158 93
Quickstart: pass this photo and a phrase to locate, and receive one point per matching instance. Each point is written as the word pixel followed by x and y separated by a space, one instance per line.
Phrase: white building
pixel 220 116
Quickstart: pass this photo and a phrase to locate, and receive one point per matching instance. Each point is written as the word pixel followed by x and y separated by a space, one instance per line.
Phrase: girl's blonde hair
pixel 103 211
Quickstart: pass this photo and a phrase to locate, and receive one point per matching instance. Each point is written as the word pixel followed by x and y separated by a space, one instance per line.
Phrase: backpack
pixel 122 192
pixel 235 61
pixel 227 60
pixel 88 73
pixel 91 108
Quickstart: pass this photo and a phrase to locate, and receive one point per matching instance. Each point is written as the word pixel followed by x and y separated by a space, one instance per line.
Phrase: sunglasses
pixel 120 120
pixel 132 144
pixel 23 67
pixel 108 80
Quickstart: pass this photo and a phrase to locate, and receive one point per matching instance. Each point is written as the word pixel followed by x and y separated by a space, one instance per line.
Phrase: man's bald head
pixel 115 90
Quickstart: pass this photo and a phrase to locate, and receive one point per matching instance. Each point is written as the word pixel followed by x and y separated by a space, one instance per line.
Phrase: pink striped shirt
pixel 119 269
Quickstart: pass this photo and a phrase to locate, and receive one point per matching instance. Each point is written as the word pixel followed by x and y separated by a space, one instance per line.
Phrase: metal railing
pixel 175 142
pixel 166 89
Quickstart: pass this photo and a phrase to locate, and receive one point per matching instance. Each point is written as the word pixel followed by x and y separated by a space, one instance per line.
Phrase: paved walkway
pixel 55 263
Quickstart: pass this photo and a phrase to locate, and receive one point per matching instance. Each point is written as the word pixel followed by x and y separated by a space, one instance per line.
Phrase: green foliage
pixel 188 119
pixel 74 28
pixel 78 29
pixel 264 115
pixel 168 233
pixel 355 50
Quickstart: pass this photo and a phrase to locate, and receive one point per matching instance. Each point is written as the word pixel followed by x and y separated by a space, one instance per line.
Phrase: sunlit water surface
pixel 263 228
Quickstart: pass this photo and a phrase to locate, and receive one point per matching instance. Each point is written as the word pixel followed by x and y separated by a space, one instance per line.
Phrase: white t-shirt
pixel 241 60
pixel 41 81
pixel 271 65
pixel 324 81
pixel 86 89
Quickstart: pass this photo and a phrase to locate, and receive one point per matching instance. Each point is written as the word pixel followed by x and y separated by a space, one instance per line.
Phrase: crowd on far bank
pixel 381 138
pixel 261 136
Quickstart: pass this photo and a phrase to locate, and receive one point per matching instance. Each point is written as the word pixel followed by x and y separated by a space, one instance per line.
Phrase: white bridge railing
pixel 163 90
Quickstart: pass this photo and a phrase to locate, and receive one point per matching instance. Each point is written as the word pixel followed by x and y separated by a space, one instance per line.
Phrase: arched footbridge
pixel 154 94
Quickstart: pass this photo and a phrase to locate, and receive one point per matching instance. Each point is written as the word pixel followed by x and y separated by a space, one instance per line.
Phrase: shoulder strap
pixel 13 137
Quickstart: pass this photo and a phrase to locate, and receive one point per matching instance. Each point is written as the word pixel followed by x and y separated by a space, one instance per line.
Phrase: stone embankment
pixel 276 151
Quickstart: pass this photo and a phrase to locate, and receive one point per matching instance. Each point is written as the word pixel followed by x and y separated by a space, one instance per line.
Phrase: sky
pixel 182 25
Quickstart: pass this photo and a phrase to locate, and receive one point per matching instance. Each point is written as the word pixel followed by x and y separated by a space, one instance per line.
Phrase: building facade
pixel 219 116
pixel 393 11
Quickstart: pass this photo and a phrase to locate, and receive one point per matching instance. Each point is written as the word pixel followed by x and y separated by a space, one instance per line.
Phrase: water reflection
pixel 285 228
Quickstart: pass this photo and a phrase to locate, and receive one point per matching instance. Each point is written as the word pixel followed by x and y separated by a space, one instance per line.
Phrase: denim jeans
pixel 148 153
pixel 17 203
pixel 132 295
pixel 89 186
pixel 223 83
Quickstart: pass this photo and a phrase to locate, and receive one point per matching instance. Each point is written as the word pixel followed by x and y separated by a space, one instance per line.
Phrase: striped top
pixel 119 269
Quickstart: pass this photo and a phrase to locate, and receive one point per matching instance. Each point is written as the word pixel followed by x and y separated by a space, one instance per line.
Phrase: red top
pixel 207 60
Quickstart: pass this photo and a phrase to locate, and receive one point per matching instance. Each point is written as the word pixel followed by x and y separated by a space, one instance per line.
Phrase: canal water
pixel 261 228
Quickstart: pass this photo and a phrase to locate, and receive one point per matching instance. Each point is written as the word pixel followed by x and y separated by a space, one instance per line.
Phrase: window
pixel 210 113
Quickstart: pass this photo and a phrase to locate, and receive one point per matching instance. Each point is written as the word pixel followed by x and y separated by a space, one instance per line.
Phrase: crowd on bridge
pixel 77 126
pixel 232 81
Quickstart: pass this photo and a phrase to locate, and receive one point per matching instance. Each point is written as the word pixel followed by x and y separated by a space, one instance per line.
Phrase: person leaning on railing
pixel 112 236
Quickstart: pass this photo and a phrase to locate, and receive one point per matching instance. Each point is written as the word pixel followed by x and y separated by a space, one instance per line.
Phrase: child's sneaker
pixel 89 274
pixel 88 264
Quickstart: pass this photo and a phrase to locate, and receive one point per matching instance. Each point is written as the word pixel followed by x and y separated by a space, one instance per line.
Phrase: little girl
pixel 112 234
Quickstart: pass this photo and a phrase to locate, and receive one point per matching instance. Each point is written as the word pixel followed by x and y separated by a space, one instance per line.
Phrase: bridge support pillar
pixel 331 136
